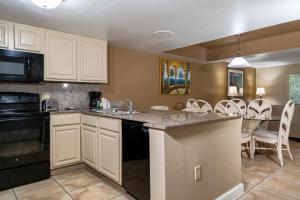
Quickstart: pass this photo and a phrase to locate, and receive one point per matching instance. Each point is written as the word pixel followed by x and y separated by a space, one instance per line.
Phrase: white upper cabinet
pixel 3 35
pixel 92 60
pixel 60 57
pixel 67 57
pixel 27 38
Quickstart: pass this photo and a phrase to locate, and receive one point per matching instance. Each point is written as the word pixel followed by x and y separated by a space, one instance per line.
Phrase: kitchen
pixel 67 72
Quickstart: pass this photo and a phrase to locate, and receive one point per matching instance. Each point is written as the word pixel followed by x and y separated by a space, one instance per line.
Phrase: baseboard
pixel 295 139
pixel 232 194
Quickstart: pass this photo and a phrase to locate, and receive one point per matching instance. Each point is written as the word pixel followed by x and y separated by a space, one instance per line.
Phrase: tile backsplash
pixel 67 94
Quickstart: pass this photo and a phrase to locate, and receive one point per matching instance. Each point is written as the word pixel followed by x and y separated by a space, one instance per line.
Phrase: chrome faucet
pixel 129 105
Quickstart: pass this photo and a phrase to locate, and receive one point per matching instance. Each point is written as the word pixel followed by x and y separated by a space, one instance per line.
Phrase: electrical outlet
pixel 197 173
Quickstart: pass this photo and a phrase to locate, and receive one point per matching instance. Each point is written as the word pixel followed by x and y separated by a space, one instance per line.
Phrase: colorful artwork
pixel 294 88
pixel 236 78
pixel 175 77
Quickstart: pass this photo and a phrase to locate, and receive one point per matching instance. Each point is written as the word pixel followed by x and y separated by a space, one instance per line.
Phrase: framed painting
pixel 294 88
pixel 236 78
pixel 175 77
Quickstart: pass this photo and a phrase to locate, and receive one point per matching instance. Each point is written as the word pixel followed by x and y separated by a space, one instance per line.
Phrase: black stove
pixel 24 140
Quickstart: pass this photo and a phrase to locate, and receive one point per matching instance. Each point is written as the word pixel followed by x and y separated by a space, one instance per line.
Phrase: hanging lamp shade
pixel 239 61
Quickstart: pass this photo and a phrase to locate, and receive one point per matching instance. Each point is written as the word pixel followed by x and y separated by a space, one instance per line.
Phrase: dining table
pixel 250 123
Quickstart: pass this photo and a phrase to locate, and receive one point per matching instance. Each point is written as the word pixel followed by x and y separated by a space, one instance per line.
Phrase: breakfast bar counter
pixel 192 155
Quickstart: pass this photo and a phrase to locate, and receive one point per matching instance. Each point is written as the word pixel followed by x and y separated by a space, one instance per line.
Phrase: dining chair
pixel 241 104
pixel 199 105
pixel 280 138
pixel 260 108
pixel 229 106
pixel 159 108
pixel 204 106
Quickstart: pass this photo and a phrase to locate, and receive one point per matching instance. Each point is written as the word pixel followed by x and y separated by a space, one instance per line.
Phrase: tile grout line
pixel 64 189
pixel 15 194
pixel 255 185
pixel 271 176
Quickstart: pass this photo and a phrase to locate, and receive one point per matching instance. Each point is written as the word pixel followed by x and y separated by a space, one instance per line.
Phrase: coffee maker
pixel 94 98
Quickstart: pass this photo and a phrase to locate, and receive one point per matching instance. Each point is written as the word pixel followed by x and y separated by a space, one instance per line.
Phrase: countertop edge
pixel 147 123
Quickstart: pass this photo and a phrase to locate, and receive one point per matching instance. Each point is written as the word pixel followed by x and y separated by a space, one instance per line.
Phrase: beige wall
pixel 135 75
pixel 215 147
pixel 275 80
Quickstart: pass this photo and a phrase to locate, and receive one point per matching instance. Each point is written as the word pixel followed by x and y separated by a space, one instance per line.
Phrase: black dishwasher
pixel 135 160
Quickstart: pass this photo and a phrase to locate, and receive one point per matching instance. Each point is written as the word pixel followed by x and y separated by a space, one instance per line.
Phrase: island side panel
pixel 157 164
pixel 216 147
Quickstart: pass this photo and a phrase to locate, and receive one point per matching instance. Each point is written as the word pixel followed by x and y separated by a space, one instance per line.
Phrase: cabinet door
pixel 66 143
pixel 3 35
pixel 89 145
pixel 27 38
pixel 109 153
pixel 60 57
pixel 92 58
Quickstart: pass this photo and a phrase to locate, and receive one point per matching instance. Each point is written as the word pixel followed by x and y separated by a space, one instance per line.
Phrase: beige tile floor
pixel 77 184
pixel 264 179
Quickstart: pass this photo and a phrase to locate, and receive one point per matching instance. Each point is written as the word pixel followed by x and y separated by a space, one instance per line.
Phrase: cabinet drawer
pixel 65 119
pixel 109 124
pixel 89 120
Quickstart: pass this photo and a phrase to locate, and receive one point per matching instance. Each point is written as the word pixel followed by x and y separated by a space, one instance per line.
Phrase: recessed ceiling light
pixel 163 34
pixel 47 4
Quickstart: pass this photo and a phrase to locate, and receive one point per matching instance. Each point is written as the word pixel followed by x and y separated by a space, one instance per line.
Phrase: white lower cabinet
pixel 101 146
pixel 109 153
pixel 66 140
pixel 89 145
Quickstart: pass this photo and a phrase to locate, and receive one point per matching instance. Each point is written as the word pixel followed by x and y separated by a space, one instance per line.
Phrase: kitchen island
pixel 192 155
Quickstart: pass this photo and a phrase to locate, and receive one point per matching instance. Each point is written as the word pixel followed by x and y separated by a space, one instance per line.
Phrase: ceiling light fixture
pixel 239 61
pixel 47 4
pixel 163 34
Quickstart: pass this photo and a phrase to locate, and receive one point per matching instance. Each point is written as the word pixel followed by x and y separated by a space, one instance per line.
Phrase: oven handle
pixel 22 118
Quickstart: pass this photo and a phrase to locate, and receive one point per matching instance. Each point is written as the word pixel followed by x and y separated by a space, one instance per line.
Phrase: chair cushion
pixel 265 135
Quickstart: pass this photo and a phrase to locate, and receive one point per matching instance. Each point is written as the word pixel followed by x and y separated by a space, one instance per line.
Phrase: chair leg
pixel 248 151
pixel 252 148
pixel 289 150
pixel 279 151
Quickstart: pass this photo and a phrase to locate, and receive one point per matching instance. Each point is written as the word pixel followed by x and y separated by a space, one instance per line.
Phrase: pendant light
pixel 47 4
pixel 239 61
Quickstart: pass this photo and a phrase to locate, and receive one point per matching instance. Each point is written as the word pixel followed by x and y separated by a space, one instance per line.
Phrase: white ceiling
pixel 130 23
pixel 275 59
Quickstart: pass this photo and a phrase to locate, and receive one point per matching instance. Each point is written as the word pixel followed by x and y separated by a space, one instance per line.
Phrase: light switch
pixel 197 173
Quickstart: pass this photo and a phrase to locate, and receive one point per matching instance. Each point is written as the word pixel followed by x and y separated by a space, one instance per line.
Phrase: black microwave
pixel 21 66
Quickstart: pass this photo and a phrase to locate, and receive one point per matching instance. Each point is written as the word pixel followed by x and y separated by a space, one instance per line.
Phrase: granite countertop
pixel 162 119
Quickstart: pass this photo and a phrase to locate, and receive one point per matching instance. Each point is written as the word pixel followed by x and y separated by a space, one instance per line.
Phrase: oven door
pixel 23 140
pixel 20 66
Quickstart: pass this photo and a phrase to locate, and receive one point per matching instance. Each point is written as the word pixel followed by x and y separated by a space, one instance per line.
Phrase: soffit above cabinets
pixel 130 24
